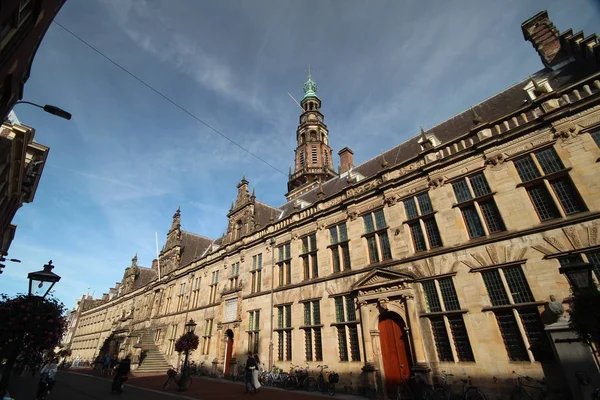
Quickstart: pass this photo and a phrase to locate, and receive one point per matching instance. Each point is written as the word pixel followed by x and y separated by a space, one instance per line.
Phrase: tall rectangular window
pixel 476 202
pixel 256 273
pixel 195 301
pixel 313 343
pixel 284 265
pixel 208 327
pixel 340 251
pixel 214 283
pixel 235 275
pixel 442 302
pixel 309 256
pixel 253 330
pixel 376 235
pixel 169 295
pixel 181 297
pixel 507 286
pixel 421 221
pixel 284 332
pixel 542 174
pixel 347 328
pixel 172 339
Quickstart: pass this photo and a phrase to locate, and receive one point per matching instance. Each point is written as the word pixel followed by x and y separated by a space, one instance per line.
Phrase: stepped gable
pixel 494 108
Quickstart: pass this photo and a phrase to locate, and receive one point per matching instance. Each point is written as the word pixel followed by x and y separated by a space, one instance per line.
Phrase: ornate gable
pixel 379 278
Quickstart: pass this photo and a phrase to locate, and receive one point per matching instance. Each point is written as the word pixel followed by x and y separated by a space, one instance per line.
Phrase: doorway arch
pixel 229 350
pixel 395 351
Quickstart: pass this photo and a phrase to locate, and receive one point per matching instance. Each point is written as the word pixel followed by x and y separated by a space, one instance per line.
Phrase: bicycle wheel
pixel 474 394
pixel 310 384
pixel 289 383
pixel 404 392
pixel 331 388
pixel 441 394
pixel 167 384
pixel 321 384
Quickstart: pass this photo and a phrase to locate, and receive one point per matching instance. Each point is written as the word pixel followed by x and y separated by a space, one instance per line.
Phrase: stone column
pixel 421 364
pixel 366 336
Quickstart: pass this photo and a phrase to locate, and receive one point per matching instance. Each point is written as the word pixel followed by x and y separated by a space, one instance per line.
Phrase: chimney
pixel 544 37
pixel 346 160
pixel 155 264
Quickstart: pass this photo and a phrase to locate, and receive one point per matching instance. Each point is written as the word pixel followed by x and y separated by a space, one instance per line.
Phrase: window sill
pixel 442 313
pixel 511 306
pixel 343 242
pixel 311 326
pixel 345 323
pixel 283 329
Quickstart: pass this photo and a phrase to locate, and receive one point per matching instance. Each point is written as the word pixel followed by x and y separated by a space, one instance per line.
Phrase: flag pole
pixel 157 257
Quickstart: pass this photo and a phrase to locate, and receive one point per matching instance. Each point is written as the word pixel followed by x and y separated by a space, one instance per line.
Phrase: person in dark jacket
pixel 121 374
pixel 250 367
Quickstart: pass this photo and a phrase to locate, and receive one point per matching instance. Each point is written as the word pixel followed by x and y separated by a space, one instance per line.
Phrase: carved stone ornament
pixel 566 134
pixel 352 215
pixel 390 200
pixel 495 159
pixel 383 303
pixel 436 182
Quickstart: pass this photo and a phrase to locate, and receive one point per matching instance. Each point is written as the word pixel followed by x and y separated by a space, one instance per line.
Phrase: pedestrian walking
pixel 256 372
pixel 121 374
pixel 250 367
pixel 47 378
pixel 106 365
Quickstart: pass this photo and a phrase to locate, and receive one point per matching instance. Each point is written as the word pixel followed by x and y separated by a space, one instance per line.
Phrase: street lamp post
pixel 579 276
pixel 59 112
pixel 44 276
pixel 189 329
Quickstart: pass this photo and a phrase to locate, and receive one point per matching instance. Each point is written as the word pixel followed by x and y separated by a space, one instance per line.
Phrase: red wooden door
pixel 394 352
pixel 228 355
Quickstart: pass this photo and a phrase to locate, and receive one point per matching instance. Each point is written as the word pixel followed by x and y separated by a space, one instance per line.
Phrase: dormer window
pixel 238 229
pixel 537 87
pixel 428 143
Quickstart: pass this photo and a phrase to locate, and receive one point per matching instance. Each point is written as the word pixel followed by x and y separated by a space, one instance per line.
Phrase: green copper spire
pixel 310 87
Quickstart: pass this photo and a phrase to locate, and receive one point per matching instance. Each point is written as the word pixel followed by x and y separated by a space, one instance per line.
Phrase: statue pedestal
pixel 580 375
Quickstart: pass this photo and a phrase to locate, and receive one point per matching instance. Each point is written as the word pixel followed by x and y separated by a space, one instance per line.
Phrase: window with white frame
pixel 551 191
pixel 339 246
pixel 214 283
pixel 256 273
pixel 284 265
pixel 476 202
pixel 284 332
pixel 253 330
pixel 447 324
pixel 376 235
pixel 520 324
pixel 309 256
pixel 313 343
pixel 347 328
pixel 421 222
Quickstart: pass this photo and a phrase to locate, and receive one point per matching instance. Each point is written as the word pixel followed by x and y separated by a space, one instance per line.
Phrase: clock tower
pixel 313 156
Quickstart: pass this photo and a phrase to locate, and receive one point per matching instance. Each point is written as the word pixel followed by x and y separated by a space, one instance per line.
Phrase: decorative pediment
pixel 495 254
pixel 380 277
pixel 569 238
pixel 434 266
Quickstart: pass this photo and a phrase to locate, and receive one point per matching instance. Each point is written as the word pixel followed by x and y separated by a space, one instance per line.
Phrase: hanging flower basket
pixel 187 342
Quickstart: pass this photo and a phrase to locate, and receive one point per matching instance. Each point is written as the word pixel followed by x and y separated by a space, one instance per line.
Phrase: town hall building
pixel 441 254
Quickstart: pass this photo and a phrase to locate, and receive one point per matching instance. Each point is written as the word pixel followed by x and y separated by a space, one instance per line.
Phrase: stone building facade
pixel 440 254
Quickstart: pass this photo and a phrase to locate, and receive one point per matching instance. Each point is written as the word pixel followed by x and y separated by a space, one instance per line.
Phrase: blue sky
pixel 118 170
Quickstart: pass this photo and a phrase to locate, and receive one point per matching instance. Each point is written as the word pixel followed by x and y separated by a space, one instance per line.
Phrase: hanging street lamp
pixel 45 276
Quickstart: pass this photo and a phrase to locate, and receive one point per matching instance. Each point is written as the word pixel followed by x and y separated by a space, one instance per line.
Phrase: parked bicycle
pixel 274 377
pixel 414 388
pixel 181 381
pixel 469 392
pixel 521 393
pixel 326 380
pixel 240 373
pixel 299 378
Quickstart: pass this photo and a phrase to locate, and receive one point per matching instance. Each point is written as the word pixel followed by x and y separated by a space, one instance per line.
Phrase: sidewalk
pixel 206 388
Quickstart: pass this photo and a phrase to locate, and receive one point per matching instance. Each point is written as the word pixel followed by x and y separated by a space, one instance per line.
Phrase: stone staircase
pixel 154 362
